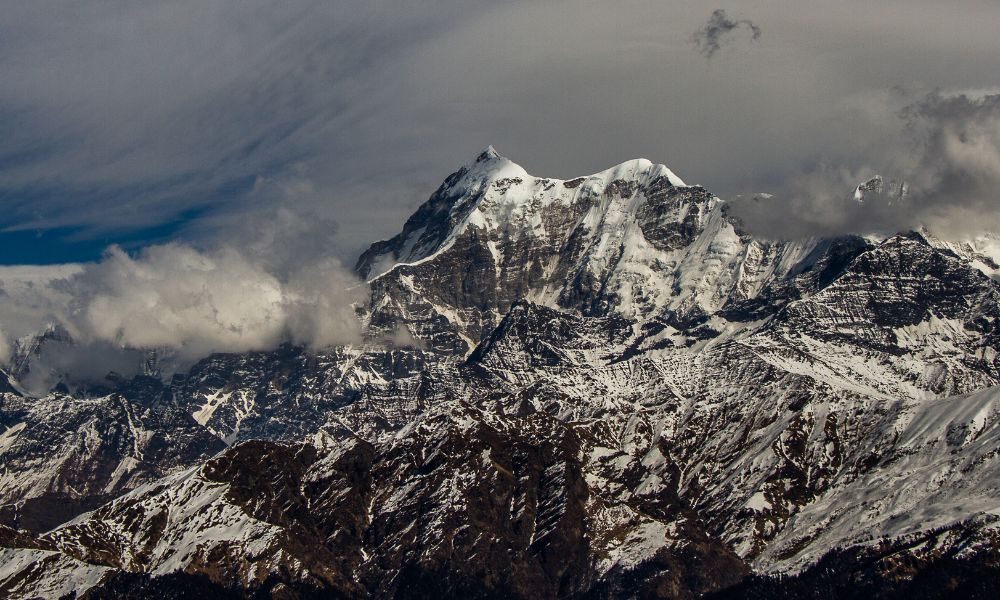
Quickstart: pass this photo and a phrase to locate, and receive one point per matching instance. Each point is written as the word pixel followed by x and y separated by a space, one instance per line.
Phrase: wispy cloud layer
pixel 117 117
pixel 126 116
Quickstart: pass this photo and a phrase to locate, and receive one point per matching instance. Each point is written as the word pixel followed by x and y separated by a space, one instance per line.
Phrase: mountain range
pixel 603 387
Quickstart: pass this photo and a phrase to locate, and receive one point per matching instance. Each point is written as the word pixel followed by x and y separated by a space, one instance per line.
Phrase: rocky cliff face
pixel 62 454
pixel 601 387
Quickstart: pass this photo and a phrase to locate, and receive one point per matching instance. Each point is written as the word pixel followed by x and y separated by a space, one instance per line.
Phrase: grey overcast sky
pixel 140 122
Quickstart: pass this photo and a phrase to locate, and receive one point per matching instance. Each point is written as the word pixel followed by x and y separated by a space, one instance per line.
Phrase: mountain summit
pixel 493 192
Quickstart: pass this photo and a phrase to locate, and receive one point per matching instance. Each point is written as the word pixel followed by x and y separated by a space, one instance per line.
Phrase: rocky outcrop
pixel 461 502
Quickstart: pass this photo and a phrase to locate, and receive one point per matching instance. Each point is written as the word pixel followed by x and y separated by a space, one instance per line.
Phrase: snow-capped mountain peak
pixel 496 195
pixel 587 243
pixel 632 240
pixel 877 188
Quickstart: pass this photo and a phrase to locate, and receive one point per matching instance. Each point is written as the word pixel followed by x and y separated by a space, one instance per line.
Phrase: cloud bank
pixel 185 302
pixel 944 146
pixel 174 296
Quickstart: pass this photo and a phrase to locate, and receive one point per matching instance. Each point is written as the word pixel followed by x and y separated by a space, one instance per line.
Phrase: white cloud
pixel 184 301
pixel 198 302
pixel 174 296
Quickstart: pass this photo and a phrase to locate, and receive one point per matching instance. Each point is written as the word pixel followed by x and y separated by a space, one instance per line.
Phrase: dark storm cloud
pixel 709 39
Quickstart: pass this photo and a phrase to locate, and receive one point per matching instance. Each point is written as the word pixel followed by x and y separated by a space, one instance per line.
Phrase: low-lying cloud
pixel 709 39
pixel 185 302
pixel 945 147
pixel 175 296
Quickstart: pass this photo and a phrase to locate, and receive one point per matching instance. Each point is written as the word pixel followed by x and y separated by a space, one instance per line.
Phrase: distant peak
pixel 871 186
pixel 877 187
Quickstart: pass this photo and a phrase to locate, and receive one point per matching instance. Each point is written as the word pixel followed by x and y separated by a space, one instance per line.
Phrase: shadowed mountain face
pixel 598 388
